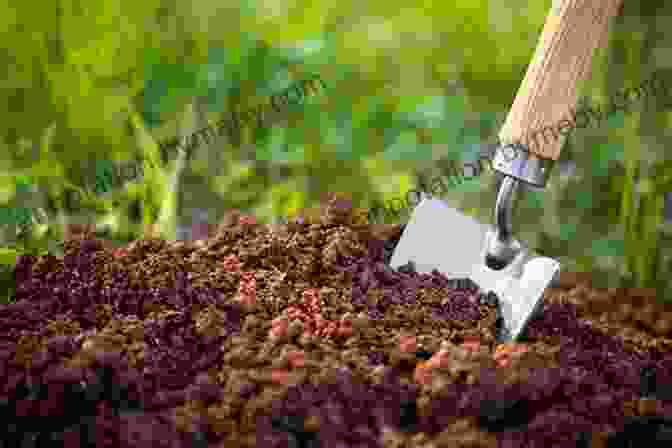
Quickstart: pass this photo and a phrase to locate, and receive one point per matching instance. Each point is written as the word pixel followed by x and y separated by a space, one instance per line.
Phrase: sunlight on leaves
pixel 9 257
pixel 238 171
pixel 431 112
pixel 287 199
pixel 303 50
pixel 7 191
pixel 405 148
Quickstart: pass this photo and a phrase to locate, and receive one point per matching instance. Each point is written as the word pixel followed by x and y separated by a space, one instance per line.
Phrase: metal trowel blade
pixel 440 237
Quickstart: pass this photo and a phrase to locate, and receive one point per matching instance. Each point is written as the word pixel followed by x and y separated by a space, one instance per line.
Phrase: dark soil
pixel 300 335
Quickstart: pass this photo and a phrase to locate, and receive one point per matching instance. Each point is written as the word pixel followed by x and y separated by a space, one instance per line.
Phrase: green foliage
pixel 604 156
pixel 568 230
pixel 8 257
pixel 7 281
pixel 104 176
pixel 585 201
pixel 535 199
pixel 167 87
pixel 609 247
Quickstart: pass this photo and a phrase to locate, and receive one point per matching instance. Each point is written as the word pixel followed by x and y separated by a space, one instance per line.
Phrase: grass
pixel 7 284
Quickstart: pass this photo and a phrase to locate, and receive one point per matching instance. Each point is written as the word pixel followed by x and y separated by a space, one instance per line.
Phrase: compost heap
pixel 300 335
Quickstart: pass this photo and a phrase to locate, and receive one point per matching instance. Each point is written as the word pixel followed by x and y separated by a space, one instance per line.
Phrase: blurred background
pixel 91 88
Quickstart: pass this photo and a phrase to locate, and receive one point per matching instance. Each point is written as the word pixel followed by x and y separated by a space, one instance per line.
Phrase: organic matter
pixel 300 335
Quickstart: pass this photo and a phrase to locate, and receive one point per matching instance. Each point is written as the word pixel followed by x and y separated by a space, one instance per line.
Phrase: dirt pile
pixel 300 335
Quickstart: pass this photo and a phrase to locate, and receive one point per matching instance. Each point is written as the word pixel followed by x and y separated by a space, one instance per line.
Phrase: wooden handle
pixel 561 62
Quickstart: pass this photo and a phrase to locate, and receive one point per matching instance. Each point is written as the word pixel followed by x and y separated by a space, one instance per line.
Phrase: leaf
pixel 239 171
pixel 275 147
pixel 46 172
pixel 104 168
pixel 218 78
pixel 286 198
pixel 298 149
pixel 102 186
pixel 260 65
pixel 341 136
pixel 615 120
pixel 470 138
pixel 380 117
pixel 608 247
pixel 435 111
pixel 169 86
pixel 584 201
pixel 23 180
pixel 5 216
pixel 603 155
pixel 23 216
pixel 568 231
pixel 8 257
pixel 488 122
pixel 467 185
pixel 535 199
pixel 307 18
pixel 448 124
pixel 407 148
pixel 310 49
pixel 7 191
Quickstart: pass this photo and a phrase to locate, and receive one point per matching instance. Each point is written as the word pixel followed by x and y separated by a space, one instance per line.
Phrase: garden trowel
pixel 442 238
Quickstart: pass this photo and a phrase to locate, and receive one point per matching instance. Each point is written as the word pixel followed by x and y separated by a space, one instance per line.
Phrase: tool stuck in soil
pixel 520 286
pixel 442 238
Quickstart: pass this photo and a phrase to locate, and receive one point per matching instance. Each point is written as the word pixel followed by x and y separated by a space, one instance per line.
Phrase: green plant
pixel 8 259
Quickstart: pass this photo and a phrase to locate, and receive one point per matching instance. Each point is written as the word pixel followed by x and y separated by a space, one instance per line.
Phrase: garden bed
pixel 300 335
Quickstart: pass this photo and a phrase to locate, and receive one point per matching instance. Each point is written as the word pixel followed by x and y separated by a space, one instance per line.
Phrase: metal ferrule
pixel 514 160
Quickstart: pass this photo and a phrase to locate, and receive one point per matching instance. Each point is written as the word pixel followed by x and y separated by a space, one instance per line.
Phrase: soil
pixel 300 335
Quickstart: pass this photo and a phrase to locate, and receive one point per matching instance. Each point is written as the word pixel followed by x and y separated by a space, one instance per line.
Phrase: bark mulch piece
pixel 300 335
